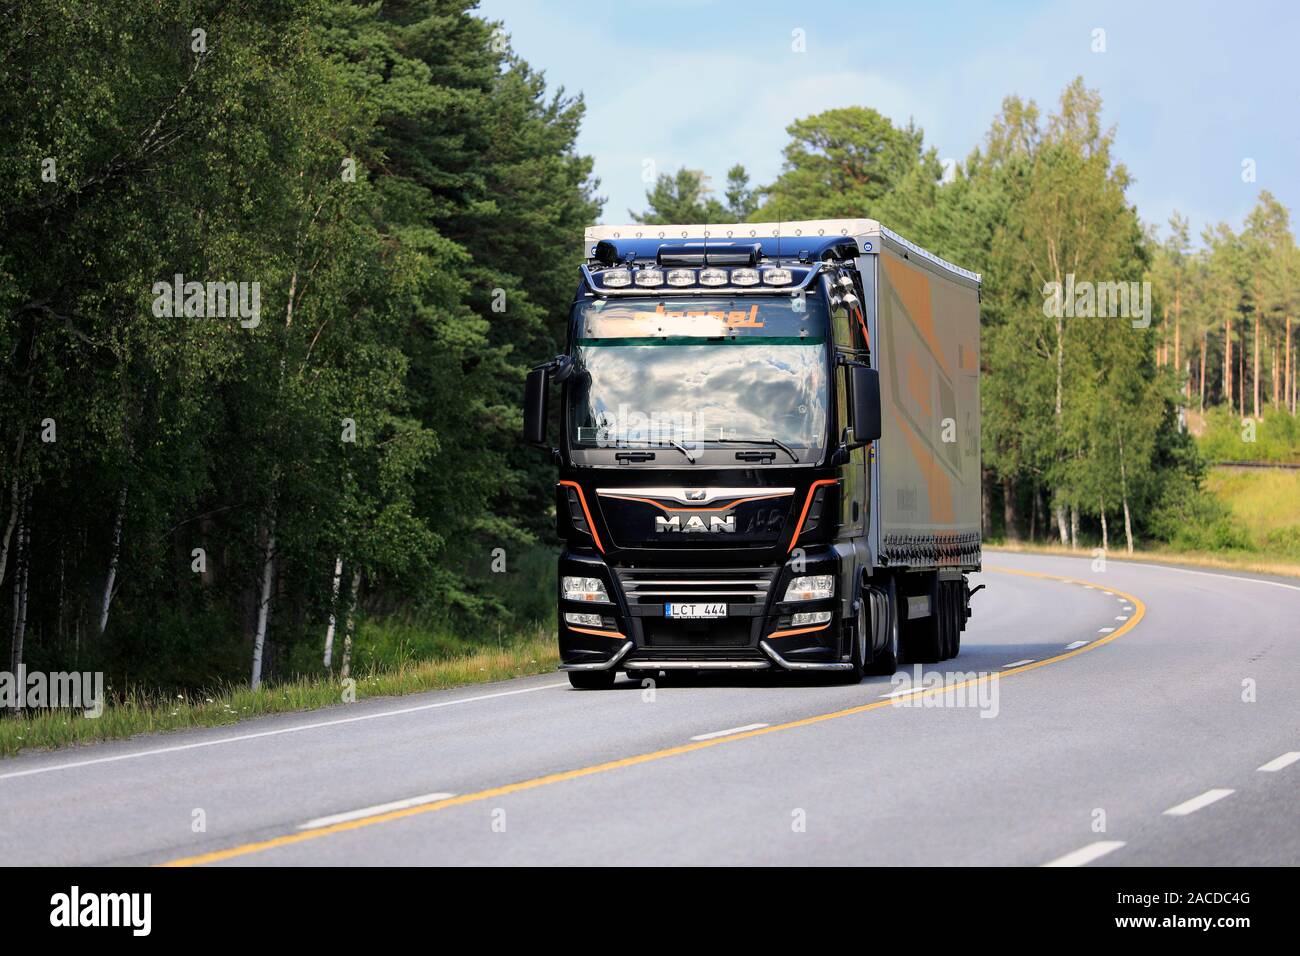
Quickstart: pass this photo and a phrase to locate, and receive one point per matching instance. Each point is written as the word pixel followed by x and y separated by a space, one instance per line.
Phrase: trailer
pixel 769 450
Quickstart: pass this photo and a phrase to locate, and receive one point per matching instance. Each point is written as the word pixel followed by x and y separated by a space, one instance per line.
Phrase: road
pixel 1171 737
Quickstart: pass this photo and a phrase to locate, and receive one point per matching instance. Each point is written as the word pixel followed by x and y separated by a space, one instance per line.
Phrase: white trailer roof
pixel 868 233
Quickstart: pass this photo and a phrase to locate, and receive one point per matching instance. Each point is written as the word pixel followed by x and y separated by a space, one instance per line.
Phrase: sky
pixel 1194 90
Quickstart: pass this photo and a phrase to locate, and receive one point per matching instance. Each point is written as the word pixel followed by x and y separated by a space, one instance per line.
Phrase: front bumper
pixel 756 635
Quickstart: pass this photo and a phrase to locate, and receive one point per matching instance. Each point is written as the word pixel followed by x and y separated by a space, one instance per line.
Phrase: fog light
pixel 811 588
pixel 808 617
pixel 583 620
pixel 680 277
pixel 777 276
pixel 617 279
pixel 744 277
pixel 584 589
pixel 650 277
pixel 713 277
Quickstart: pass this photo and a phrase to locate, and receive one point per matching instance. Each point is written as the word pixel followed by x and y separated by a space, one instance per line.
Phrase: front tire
pixel 591 680
pixel 858 653
pixel 886 660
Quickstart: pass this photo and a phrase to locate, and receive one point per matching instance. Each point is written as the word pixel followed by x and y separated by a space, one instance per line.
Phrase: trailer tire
pixel 923 638
pixel 955 611
pixel 591 680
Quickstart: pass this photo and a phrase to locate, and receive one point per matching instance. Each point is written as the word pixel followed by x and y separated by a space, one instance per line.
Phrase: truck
pixel 768 451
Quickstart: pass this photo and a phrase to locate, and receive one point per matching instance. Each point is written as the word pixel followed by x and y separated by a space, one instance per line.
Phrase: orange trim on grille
pixel 800 630
pixel 807 503
pixel 587 630
pixel 591 525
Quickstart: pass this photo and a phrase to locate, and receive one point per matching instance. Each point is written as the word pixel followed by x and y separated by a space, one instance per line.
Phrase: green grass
pixel 1226 437
pixel 534 653
pixel 1266 502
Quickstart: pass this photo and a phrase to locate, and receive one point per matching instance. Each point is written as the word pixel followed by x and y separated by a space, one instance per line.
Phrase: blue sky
pixel 1193 88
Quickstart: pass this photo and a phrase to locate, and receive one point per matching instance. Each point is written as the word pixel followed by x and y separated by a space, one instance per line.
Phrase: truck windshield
pixel 701 372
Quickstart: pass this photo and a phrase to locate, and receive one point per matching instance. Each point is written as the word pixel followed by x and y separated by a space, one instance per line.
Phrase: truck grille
pixel 747 586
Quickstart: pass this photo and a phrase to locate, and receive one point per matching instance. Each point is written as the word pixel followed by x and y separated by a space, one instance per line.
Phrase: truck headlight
pixel 584 620
pixel 812 587
pixel 584 589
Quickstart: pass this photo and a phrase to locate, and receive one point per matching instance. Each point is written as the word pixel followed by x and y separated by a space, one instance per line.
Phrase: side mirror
pixel 866 404
pixel 536 393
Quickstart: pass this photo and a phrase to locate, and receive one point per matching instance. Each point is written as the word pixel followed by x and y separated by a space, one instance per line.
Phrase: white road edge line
pixel 1070 647
pixel 272 733
pixel 373 811
pixel 729 731
pixel 1027 660
pixel 1087 854
pixel 1196 803
pixel 1277 763
pixel 1212 574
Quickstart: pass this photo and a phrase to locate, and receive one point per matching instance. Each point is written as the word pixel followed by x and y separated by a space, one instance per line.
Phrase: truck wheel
pixel 591 680
pixel 886 660
pixel 858 652
pixel 923 638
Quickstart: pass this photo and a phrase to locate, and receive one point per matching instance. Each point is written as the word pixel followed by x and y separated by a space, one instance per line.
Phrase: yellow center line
pixel 289 839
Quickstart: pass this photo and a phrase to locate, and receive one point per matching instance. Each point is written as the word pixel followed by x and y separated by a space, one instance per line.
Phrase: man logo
pixel 697 494
pixel 717 524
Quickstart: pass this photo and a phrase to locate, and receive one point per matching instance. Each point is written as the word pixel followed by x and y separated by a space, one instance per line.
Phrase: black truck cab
pixel 717 405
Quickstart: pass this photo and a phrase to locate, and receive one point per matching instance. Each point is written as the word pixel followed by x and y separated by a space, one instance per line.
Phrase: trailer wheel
pixel 591 680
pixel 943 608
pixel 886 660
pixel 955 611
pixel 923 640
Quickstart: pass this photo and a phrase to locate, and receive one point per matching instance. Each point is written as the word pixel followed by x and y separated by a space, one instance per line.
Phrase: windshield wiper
pixel 671 443
pixel 774 442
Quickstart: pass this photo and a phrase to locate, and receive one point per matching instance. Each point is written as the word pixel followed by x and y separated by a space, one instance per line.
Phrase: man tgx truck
pixel 768 450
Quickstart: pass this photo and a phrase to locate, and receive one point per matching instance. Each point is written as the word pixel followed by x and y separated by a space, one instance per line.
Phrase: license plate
pixel 695 610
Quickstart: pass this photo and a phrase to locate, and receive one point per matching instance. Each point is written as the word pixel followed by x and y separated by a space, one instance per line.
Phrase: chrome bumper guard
pixel 621 653
pixel 780 661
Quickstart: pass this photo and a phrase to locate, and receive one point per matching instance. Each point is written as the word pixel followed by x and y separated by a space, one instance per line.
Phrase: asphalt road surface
pixel 1169 736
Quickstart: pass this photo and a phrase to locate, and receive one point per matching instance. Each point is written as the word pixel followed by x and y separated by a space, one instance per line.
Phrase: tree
pixel 840 162
pixel 682 197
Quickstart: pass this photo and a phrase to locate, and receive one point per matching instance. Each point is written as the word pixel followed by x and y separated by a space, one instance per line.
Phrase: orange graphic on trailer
pixel 913 289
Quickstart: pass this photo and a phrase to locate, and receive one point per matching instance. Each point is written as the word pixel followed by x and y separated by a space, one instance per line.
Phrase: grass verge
pixel 536 654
